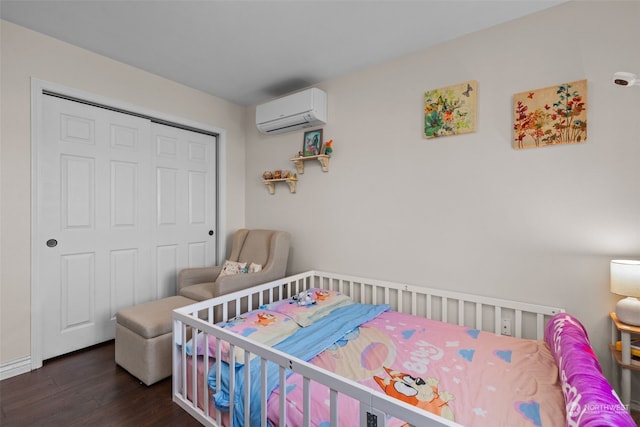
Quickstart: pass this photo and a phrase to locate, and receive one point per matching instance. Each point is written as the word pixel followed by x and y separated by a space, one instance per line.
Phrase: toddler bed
pixel 350 351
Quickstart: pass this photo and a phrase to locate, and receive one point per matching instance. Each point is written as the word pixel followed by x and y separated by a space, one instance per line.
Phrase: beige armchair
pixel 269 248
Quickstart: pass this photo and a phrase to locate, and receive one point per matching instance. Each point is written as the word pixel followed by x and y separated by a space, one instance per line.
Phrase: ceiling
pixel 250 51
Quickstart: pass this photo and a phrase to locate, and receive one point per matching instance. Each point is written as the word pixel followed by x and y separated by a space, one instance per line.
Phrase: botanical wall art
pixel 450 110
pixel 550 116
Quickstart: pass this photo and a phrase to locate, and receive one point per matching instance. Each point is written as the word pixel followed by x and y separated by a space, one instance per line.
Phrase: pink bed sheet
pixel 472 377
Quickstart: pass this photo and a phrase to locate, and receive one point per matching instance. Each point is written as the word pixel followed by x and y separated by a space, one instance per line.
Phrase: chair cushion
pixel 153 318
pixel 256 247
pixel 198 292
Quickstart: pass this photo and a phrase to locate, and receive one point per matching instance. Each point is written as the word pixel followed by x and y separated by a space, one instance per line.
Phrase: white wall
pixel 27 54
pixel 469 212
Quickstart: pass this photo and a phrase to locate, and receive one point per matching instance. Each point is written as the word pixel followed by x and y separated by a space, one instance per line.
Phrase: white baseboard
pixel 16 367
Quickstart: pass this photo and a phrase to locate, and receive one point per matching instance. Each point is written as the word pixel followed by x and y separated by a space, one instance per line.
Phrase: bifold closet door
pixel 122 205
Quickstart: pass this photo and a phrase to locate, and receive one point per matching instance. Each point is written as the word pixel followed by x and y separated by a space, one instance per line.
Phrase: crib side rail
pixel 484 313
pixel 525 320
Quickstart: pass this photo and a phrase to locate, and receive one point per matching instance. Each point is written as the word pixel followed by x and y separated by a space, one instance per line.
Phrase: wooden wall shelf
pixel 271 184
pixel 322 158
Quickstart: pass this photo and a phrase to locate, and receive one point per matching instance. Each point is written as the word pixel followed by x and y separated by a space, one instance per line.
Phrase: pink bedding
pixel 474 378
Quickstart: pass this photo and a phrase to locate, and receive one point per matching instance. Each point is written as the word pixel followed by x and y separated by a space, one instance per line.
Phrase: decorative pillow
pixel 254 268
pixel 231 267
pixel 590 399
pixel 322 303
pixel 263 326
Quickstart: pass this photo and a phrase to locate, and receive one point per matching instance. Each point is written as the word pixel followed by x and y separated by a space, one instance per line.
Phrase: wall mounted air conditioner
pixel 297 111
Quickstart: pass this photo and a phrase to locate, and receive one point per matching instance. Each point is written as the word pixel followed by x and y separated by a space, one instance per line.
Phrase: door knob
pixel 52 243
pixel 210 232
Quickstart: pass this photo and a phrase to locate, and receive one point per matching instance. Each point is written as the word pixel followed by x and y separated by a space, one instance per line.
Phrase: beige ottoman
pixel 144 338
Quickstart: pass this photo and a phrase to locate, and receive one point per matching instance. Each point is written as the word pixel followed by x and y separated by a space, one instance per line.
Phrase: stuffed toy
pixel 304 298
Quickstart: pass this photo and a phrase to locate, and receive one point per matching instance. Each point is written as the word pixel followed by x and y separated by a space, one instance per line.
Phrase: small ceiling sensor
pixel 622 78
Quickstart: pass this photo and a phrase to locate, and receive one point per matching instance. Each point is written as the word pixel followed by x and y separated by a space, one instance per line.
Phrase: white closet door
pixel 122 205
pixel 185 200
pixel 93 210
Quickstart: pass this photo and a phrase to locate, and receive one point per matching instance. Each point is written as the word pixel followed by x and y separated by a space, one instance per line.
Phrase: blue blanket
pixel 304 344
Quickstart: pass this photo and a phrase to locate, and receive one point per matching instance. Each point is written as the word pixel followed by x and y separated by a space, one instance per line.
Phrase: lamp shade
pixel 625 277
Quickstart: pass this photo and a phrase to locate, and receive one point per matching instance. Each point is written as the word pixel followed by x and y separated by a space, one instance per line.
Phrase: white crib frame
pixel 479 312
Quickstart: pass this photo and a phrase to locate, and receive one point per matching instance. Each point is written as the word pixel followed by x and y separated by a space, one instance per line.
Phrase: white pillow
pixel 231 267
pixel 254 268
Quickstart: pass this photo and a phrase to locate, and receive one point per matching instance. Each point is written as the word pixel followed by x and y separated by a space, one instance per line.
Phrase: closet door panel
pixel 185 194
pixel 92 209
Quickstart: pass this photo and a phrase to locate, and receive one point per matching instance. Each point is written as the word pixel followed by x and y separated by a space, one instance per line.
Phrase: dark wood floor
pixel 87 388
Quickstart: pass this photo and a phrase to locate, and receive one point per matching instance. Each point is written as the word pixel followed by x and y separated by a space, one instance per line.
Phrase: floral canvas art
pixel 450 110
pixel 550 116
